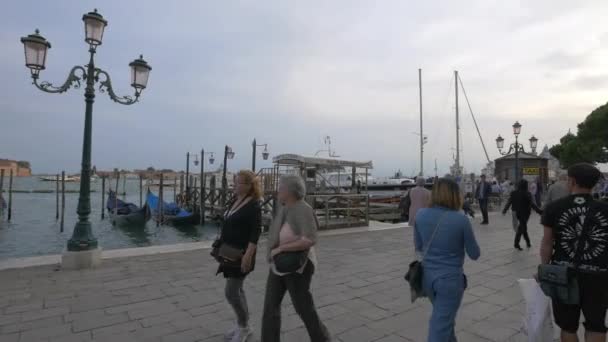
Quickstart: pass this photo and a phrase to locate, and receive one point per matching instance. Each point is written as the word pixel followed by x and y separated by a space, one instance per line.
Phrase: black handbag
pixel 227 255
pixel 559 282
pixel 415 272
pixel 290 262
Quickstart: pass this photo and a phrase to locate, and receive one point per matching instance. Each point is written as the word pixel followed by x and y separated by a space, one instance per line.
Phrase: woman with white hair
pixel 291 240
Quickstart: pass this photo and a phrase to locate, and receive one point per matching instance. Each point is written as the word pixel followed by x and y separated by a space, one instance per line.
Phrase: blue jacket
pixel 487 191
pixel 454 237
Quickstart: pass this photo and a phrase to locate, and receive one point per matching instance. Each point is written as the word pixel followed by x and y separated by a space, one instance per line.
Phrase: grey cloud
pixel 560 59
pixel 591 82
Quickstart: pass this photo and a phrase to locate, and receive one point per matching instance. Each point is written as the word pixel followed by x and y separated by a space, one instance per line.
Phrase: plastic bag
pixel 538 323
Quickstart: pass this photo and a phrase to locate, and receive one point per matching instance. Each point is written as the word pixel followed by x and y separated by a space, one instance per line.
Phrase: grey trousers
pixel 298 286
pixel 236 298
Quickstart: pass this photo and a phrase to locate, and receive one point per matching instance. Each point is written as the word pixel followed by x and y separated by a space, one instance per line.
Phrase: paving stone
pixel 97 319
pixel 165 318
pixel 40 323
pixel 361 334
pixel 9 337
pixel 45 333
pixel 116 329
pixel 395 338
pixel 44 313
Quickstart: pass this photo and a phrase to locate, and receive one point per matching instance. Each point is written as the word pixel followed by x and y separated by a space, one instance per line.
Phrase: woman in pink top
pixel 419 198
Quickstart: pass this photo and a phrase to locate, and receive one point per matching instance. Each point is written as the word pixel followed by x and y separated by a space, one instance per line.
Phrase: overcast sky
pixel 290 73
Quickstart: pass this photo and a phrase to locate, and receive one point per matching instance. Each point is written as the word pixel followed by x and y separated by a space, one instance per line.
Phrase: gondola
pixel 127 214
pixel 172 213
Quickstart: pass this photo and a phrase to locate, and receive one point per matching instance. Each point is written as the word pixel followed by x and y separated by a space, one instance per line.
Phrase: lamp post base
pixel 81 259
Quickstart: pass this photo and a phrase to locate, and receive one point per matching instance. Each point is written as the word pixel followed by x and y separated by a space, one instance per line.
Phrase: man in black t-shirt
pixel 569 222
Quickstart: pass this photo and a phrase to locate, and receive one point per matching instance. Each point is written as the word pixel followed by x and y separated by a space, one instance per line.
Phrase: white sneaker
pixel 230 333
pixel 242 334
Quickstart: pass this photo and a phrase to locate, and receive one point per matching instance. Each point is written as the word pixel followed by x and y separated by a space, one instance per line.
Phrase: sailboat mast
pixel 421 131
pixel 457 125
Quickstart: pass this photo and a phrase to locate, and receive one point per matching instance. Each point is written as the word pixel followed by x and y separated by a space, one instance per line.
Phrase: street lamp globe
pixel 230 154
pixel 140 70
pixel 35 47
pixel 500 142
pixel 211 160
pixel 195 160
pixel 94 24
pixel 516 128
pixel 533 143
pixel 265 154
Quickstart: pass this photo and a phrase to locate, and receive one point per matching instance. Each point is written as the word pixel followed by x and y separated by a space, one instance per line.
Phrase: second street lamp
pixel 36 48
pixel 265 153
pixel 516 148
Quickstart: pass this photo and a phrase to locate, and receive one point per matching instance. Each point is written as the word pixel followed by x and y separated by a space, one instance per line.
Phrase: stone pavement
pixel 358 288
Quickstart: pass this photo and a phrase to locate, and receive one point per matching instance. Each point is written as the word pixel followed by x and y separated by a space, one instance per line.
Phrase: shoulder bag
pixel 226 254
pixel 559 282
pixel 415 272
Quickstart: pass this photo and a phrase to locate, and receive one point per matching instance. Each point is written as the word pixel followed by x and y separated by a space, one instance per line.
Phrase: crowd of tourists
pixel 574 245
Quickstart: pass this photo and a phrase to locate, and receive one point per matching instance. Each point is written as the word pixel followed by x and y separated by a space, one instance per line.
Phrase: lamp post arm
pixel 73 80
pixel 106 86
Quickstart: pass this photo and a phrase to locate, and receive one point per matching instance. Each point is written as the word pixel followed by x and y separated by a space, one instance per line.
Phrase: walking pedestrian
pixel 570 222
pixel 419 198
pixel 521 203
pixel 240 232
pixel 291 253
pixel 482 194
pixel 558 189
pixel 446 235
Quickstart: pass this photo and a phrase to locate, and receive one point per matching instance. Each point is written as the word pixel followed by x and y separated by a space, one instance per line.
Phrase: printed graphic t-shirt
pixel 579 219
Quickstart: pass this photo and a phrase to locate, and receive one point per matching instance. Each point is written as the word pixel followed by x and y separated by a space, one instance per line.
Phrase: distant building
pixel 554 167
pixel 19 168
pixel 531 167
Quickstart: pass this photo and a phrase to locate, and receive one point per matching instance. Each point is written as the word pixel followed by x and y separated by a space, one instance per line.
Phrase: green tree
pixel 589 145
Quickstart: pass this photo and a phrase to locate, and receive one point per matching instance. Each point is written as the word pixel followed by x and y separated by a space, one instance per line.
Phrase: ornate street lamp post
pixel 36 48
pixel 265 153
pixel 516 147
pixel 228 154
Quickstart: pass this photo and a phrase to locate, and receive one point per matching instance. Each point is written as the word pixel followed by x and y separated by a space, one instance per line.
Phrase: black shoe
pixel 518 248
pixel 529 246
pixel 485 223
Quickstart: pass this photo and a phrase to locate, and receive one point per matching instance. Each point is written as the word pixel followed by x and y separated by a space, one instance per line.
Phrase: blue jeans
pixel 445 293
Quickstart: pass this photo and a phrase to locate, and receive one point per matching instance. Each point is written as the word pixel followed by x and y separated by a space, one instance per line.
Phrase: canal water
pixel 34 231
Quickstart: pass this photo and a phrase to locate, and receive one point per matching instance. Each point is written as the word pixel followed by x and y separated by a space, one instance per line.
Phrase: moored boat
pixel 127 214
pixel 171 213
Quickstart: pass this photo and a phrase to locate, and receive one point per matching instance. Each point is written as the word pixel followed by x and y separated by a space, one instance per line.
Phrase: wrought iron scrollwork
pixel 106 86
pixel 72 81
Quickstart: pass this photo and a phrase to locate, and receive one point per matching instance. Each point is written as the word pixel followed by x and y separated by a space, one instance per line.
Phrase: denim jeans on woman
pixel 445 293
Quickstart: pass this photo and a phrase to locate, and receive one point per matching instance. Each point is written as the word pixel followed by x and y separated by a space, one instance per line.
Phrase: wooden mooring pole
pixel 103 197
pixel 124 187
pixel 1 190
pixel 10 196
pixel 181 183
pixel 117 175
pixel 62 201
pixel 160 201
pixel 57 197
pixel 175 189
pixel 141 189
